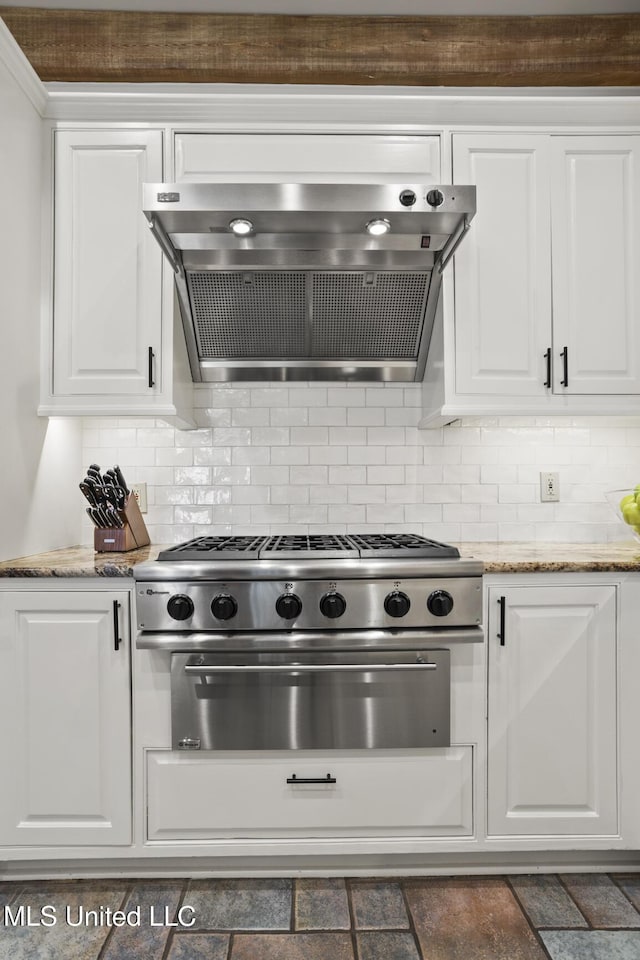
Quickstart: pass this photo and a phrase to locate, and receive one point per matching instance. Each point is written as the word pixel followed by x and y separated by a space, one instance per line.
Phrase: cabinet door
pixel 503 268
pixel 108 269
pixel 65 709
pixel 552 711
pixel 596 245
pixel 348 158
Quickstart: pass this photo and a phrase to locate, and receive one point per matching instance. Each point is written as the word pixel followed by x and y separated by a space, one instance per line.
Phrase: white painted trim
pixel 102 864
pixel 250 107
pixel 21 70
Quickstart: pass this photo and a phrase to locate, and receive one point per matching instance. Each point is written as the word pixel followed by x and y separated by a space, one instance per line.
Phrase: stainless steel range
pixel 309 642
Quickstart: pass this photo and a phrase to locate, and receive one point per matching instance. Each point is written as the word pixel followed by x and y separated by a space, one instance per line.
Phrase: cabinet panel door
pixel 65 697
pixel 108 268
pixel 596 245
pixel 552 712
pixel 503 268
pixel 347 158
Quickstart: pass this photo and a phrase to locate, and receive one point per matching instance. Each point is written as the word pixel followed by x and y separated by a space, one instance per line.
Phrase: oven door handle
pixel 307 668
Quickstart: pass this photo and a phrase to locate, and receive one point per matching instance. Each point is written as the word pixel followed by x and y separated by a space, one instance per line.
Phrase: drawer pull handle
pixel 328 779
pixel 150 362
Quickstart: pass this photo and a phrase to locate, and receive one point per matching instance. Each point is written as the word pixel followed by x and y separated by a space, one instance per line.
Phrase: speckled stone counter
pixel 533 557
pixel 507 557
pixel 78 562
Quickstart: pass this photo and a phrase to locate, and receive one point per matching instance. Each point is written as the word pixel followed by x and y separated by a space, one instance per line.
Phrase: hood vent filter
pixel 334 315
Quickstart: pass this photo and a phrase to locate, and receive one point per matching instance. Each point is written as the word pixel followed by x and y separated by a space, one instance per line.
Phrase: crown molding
pixel 253 107
pixel 21 70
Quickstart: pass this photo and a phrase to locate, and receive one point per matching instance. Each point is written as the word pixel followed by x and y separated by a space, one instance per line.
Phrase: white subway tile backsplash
pixel 309 475
pixel 289 416
pixel 348 475
pixel 348 457
pixel 367 455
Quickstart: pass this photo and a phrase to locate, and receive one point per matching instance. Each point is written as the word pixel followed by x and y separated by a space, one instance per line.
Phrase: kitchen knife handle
pixel 547 356
pixel 151 359
pixel 565 367
pixel 116 626
pixel 501 634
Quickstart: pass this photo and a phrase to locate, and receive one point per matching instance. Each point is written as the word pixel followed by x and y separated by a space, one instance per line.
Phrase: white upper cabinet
pixel 595 201
pixel 111 342
pixel 503 269
pixel 283 157
pixel 545 289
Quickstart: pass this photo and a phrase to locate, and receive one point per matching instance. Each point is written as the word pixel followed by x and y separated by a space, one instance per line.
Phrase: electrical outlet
pixel 549 487
pixel 139 490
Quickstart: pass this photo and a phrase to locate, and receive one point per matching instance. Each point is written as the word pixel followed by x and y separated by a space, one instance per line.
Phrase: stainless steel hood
pixel 308 292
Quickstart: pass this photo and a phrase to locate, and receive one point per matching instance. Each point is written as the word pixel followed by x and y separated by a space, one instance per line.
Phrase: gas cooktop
pixel 310 546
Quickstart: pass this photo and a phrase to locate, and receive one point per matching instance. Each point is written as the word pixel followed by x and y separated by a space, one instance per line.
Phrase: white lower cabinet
pixel 552 711
pixel 214 796
pixel 65 708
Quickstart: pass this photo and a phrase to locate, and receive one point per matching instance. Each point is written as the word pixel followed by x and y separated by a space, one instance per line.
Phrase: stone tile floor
pixel 562 917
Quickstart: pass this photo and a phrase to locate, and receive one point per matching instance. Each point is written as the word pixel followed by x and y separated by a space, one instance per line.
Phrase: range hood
pixel 308 281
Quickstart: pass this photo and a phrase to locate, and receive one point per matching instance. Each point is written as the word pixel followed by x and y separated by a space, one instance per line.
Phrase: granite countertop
pixel 507 557
pixel 80 561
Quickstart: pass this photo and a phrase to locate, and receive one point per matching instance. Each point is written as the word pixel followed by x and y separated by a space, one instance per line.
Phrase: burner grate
pixel 215 548
pixel 324 546
pixel 388 545
pixel 308 546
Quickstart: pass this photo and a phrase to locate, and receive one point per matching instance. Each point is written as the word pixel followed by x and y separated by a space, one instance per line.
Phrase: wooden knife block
pixel 134 533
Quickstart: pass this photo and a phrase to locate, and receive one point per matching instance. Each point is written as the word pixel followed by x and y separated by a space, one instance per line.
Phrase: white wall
pixel 319 457
pixel 40 461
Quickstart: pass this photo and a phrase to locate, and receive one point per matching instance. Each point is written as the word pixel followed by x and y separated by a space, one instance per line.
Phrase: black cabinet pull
pixel 327 779
pixel 116 626
pixel 501 634
pixel 547 357
pixel 151 359
pixel 565 367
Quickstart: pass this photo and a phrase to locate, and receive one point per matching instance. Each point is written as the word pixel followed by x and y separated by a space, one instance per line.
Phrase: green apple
pixel 630 498
pixel 631 514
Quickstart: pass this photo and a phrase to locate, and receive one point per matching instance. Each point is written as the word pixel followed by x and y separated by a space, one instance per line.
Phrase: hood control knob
pixel 333 605
pixel 288 606
pixel 397 604
pixel 440 603
pixel 224 607
pixel 180 607
pixel 407 198
pixel 435 198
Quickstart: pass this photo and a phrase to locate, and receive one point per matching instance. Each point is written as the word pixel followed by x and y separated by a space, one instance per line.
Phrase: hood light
pixel 241 227
pixel 378 227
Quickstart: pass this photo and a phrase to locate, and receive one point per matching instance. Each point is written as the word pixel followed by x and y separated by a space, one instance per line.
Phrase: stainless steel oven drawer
pixel 310 701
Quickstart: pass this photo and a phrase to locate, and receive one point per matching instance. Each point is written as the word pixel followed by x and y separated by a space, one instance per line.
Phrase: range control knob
pixel 224 606
pixel 332 605
pixel 407 198
pixel 397 604
pixel 435 198
pixel 288 606
pixel 440 603
pixel 180 607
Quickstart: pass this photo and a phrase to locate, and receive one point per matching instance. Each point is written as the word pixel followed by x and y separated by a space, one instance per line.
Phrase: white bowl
pixel 613 498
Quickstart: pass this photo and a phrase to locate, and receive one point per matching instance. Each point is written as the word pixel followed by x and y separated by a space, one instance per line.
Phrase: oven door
pixel 308 701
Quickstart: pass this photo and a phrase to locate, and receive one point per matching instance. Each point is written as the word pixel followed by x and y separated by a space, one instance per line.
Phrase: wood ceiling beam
pixel 152 47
